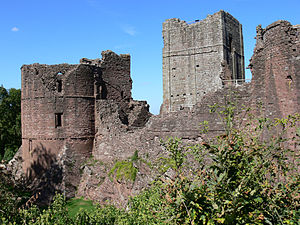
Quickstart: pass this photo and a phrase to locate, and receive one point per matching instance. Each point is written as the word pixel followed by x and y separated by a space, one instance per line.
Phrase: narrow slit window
pixel 59 85
pixel 58 120
pixel 30 146
pixel 230 42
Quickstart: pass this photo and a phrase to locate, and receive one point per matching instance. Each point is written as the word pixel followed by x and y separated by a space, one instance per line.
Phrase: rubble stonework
pixel 101 123
pixel 196 56
pixel 59 105
pixel 273 101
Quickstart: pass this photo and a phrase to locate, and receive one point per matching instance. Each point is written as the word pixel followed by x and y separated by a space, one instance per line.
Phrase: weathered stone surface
pixel 275 66
pixel 101 121
pixel 14 167
pixel 59 109
pixel 196 56
pixel 275 100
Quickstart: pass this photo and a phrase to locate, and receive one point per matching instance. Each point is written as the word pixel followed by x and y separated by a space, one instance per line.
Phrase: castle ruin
pixel 73 112
pixel 60 108
pixel 199 58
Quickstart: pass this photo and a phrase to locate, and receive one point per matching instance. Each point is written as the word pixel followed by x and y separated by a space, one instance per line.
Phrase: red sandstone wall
pixel 276 57
pixel 275 69
pixel 41 139
pixel 116 76
pixel 54 151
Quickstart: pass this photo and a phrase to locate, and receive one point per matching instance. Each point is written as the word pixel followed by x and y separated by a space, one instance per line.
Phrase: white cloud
pixel 128 29
pixel 15 29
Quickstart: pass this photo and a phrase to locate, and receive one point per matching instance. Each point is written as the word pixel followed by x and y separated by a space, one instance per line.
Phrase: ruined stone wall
pixel 194 56
pixel 233 46
pixel 116 76
pixel 274 92
pixel 275 69
pixel 57 105
pixel 96 104
pixel 62 111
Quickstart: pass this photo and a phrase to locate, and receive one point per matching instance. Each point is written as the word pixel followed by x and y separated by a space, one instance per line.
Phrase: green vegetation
pixel 125 169
pixel 74 205
pixel 241 177
pixel 10 122
pixel 11 198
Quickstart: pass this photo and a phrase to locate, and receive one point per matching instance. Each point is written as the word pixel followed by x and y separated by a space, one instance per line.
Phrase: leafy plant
pixel 126 169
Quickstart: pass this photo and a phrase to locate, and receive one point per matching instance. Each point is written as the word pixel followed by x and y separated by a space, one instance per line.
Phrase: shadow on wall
pixel 40 164
pixel 45 174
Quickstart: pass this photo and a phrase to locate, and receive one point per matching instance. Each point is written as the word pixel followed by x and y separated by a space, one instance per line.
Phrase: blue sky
pixel 63 31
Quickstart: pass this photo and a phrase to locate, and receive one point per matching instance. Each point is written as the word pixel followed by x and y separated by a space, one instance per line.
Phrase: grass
pixel 74 205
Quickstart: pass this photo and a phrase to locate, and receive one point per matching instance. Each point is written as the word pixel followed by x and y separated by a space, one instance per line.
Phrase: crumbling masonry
pixel 61 106
pixel 199 58
pixel 73 112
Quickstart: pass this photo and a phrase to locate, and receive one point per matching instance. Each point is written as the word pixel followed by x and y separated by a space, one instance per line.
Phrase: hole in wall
pixel 59 85
pixel 30 145
pixel 58 120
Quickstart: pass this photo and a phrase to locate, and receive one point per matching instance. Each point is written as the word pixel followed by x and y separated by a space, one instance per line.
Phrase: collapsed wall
pixel 84 117
pixel 271 92
pixel 60 108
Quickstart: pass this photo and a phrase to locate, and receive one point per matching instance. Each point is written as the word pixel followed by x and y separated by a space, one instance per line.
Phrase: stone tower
pixel 199 58
pixel 59 112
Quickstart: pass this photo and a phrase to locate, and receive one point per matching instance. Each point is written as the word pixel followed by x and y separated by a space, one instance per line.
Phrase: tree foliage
pixel 10 122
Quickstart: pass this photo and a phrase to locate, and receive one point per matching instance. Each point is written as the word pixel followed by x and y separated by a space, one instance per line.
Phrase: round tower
pixel 57 114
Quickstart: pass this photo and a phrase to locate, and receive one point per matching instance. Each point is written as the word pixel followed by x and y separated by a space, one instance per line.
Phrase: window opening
pixel 30 146
pixel 58 120
pixel 230 42
pixel 59 85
